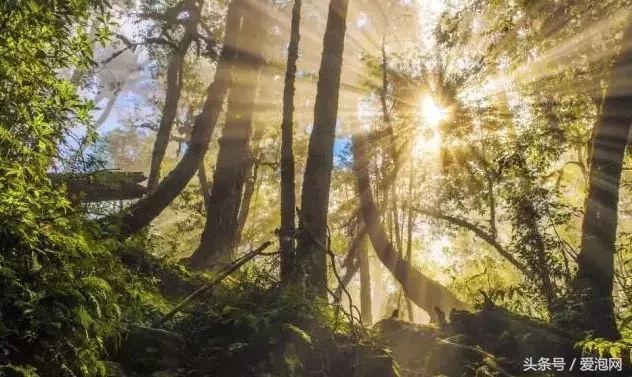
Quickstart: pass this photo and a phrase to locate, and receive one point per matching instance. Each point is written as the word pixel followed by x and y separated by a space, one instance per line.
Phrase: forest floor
pixel 244 327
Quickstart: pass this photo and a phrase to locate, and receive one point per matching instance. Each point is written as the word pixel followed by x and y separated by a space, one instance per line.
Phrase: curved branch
pixel 145 210
pixel 482 234
pixel 423 291
pixel 174 82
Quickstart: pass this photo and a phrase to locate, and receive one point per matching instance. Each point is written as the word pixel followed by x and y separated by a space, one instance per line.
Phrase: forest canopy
pixel 330 188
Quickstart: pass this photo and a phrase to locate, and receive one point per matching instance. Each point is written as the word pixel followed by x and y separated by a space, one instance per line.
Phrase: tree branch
pixel 482 234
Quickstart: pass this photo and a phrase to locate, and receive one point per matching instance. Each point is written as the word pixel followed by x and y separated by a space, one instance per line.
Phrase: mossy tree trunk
pixel 288 194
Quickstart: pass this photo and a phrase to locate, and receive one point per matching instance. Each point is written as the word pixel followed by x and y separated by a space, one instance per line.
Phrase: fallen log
pixel 492 340
pixel 101 186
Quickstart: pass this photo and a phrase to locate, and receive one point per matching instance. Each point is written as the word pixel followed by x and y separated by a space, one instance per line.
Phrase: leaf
pixel 237 347
pixel 36 266
pixel 298 331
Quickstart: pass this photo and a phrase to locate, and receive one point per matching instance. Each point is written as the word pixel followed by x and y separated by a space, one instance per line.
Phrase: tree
pixel 317 176
pixel 174 81
pixel 44 257
pixel 365 283
pixel 234 159
pixel 145 210
pixel 423 291
pixel 595 273
pixel 288 196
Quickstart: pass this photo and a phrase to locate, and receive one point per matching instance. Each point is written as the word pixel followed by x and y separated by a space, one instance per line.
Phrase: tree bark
pixel 423 291
pixel 288 189
pixel 365 283
pixel 384 90
pixel 145 210
pixel 204 185
pixel 530 238
pixel 172 94
pixel 409 236
pixel 249 191
pixel 599 228
pixel 317 176
pixel 220 234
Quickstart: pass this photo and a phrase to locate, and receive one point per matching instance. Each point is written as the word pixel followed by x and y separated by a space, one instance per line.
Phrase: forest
pixel 328 188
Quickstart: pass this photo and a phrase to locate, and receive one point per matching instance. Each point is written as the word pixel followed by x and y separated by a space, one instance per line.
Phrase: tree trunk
pixel 409 235
pixel 378 295
pixel 219 237
pixel 288 194
pixel 172 94
pixel 599 228
pixel 249 191
pixel 317 176
pixel 384 90
pixel 365 283
pixel 423 291
pixel 144 211
pixel 204 185
pixel 530 238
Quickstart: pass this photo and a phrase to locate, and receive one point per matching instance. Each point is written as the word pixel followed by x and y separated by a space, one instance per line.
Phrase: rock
pixel 115 369
pixel 411 343
pixel 492 340
pixel 452 360
pixel 163 373
pixel 148 350
pixel 377 363
pixel 511 336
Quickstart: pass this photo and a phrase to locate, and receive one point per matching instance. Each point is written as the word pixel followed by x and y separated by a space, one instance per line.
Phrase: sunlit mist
pixel 428 139
pixel 431 112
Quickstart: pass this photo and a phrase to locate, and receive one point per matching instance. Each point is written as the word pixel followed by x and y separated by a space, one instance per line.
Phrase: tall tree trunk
pixel 530 238
pixel 378 294
pixel 409 235
pixel 145 210
pixel 423 291
pixel 234 158
pixel 317 176
pixel 365 283
pixel 397 230
pixel 288 190
pixel 204 185
pixel 249 191
pixel 384 90
pixel 352 259
pixel 172 95
pixel 599 228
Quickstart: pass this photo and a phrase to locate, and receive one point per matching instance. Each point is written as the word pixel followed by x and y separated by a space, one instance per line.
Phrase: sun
pixel 428 139
pixel 432 113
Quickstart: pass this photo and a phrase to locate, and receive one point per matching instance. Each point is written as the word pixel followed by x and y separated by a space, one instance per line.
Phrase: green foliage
pixel 17 371
pixel 58 309
pixel 249 326
pixel 607 348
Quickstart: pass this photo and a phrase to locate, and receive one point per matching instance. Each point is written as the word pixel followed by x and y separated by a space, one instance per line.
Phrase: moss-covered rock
pixel 148 350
